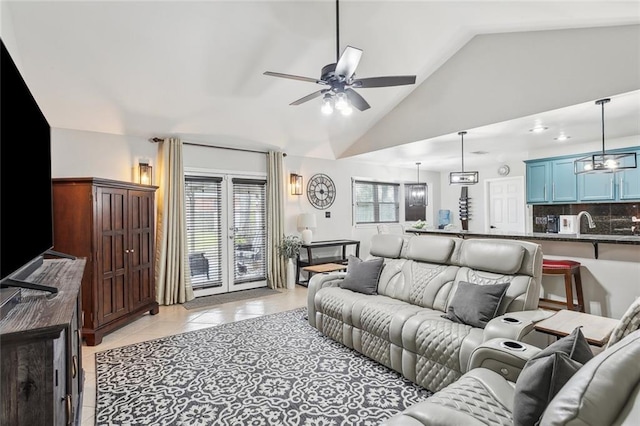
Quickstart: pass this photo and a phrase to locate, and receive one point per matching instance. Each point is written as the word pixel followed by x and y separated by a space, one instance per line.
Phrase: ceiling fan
pixel 340 79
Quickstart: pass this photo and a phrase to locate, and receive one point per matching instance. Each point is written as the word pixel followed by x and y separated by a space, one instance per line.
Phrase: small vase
pixel 291 275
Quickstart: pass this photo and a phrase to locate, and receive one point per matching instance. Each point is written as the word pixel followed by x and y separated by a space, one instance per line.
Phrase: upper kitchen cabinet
pixel 629 182
pixel 551 181
pixel 538 177
pixel 623 185
pixel 597 187
pixel 563 181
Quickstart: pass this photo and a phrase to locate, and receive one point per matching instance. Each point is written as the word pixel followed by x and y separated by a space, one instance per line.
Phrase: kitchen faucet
pixel 589 219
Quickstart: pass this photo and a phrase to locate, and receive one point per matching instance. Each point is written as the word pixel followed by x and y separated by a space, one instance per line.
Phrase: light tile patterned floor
pixel 176 319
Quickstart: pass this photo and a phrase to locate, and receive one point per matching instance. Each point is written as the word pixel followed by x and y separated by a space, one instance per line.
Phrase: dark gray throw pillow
pixel 475 304
pixel 544 375
pixel 363 275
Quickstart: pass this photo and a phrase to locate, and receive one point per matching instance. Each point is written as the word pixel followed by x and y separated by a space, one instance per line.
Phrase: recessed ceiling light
pixel 562 137
pixel 538 129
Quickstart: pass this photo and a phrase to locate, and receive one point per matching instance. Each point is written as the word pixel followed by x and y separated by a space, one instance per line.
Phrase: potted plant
pixel 289 247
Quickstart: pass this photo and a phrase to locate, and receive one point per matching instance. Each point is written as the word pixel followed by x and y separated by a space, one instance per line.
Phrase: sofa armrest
pixel 317 282
pixel 514 325
pixel 504 356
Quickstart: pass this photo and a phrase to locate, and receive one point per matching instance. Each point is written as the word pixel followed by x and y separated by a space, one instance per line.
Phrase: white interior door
pixel 505 204
pixel 226 232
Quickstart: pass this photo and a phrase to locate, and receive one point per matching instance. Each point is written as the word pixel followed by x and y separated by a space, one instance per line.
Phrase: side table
pixel 596 329
pixel 324 268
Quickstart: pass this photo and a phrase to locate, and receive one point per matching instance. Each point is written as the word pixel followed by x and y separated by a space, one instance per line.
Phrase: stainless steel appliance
pixel 553 223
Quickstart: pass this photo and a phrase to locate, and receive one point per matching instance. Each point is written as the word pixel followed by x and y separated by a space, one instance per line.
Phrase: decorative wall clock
pixel 503 170
pixel 321 191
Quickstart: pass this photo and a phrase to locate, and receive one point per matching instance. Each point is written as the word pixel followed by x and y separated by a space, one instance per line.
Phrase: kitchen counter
pixel 583 238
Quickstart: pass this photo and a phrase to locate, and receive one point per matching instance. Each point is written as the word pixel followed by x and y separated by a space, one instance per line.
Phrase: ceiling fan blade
pixel 309 97
pixel 294 77
pixel 398 80
pixel 348 61
pixel 356 100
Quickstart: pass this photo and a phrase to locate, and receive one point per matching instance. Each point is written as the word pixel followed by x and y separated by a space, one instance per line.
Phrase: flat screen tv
pixel 26 218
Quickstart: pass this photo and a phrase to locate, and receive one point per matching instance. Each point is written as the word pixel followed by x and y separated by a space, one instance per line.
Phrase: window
pixel 203 197
pixel 250 229
pixel 376 202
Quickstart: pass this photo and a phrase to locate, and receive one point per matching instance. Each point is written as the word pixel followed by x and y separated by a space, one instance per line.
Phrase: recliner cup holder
pixel 511 320
pixel 512 345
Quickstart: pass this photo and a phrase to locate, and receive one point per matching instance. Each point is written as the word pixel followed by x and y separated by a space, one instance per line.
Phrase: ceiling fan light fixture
pixel 346 111
pixel 340 77
pixel 341 101
pixel 605 162
pixel 327 104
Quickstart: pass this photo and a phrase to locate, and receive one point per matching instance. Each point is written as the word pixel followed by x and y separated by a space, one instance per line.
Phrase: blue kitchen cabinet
pixel 538 177
pixel 564 186
pixel 597 186
pixel 629 181
pixel 551 181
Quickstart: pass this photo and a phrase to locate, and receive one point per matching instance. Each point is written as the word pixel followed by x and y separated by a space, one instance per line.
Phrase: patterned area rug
pixel 272 370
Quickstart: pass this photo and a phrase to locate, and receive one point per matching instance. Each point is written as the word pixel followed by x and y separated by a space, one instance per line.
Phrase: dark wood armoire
pixel 111 224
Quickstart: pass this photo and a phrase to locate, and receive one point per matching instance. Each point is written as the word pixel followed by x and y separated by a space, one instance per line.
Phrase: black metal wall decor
pixel 464 207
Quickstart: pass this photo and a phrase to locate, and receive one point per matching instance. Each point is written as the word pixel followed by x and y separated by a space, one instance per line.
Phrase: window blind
pixel 250 225
pixel 204 229
pixel 376 202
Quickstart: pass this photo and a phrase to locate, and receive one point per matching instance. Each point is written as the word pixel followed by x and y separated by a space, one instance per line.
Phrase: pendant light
pixel 462 177
pixel 605 162
pixel 417 191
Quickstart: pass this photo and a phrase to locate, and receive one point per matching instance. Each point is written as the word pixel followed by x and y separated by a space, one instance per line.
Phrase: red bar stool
pixel 571 271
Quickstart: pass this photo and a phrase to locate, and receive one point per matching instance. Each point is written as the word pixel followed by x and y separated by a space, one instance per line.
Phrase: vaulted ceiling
pixel 195 70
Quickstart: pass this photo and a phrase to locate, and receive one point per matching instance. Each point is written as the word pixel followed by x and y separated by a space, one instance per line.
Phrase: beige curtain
pixel 276 187
pixel 173 284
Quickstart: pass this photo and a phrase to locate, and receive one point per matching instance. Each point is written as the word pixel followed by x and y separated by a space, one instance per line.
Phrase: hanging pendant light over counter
pixel 417 191
pixel 605 162
pixel 462 177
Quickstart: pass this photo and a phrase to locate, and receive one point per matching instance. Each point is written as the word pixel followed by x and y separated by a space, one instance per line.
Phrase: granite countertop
pixel 583 238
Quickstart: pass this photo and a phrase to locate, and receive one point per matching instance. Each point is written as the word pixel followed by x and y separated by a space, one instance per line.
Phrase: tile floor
pixel 174 320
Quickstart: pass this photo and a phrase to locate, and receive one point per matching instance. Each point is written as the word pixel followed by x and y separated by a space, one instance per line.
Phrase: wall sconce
pixel 145 173
pixel 295 182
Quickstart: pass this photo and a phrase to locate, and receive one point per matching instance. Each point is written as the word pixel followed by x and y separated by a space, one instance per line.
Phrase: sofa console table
pixel 338 256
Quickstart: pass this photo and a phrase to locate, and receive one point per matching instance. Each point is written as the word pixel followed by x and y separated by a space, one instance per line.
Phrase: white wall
pixel 89 154
pixel 486 81
pixel 76 153
pixel 339 225
pixel 610 282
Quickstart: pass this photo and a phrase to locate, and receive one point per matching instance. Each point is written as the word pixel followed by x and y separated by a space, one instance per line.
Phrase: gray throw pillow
pixel 475 304
pixel 544 375
pixel 363 275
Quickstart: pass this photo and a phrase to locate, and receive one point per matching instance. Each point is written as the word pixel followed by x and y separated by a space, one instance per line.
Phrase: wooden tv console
pixel 41 365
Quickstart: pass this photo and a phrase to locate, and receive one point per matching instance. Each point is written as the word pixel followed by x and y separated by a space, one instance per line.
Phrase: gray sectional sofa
pixel 603 391
pixel 402 326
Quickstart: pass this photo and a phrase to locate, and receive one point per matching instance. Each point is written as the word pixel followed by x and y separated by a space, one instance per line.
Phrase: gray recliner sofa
pixel 402 325
pixel 604 391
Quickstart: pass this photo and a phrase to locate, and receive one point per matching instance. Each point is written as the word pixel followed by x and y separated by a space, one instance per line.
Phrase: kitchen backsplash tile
pixel 610 218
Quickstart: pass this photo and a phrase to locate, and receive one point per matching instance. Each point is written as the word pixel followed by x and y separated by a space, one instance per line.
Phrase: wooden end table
pixel 323 268
pixel 596 329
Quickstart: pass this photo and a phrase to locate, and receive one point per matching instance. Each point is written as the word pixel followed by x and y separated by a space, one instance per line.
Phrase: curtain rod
pixel 156 140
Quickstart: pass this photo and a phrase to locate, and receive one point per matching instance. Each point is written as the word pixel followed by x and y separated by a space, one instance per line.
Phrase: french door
pixel 226 232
